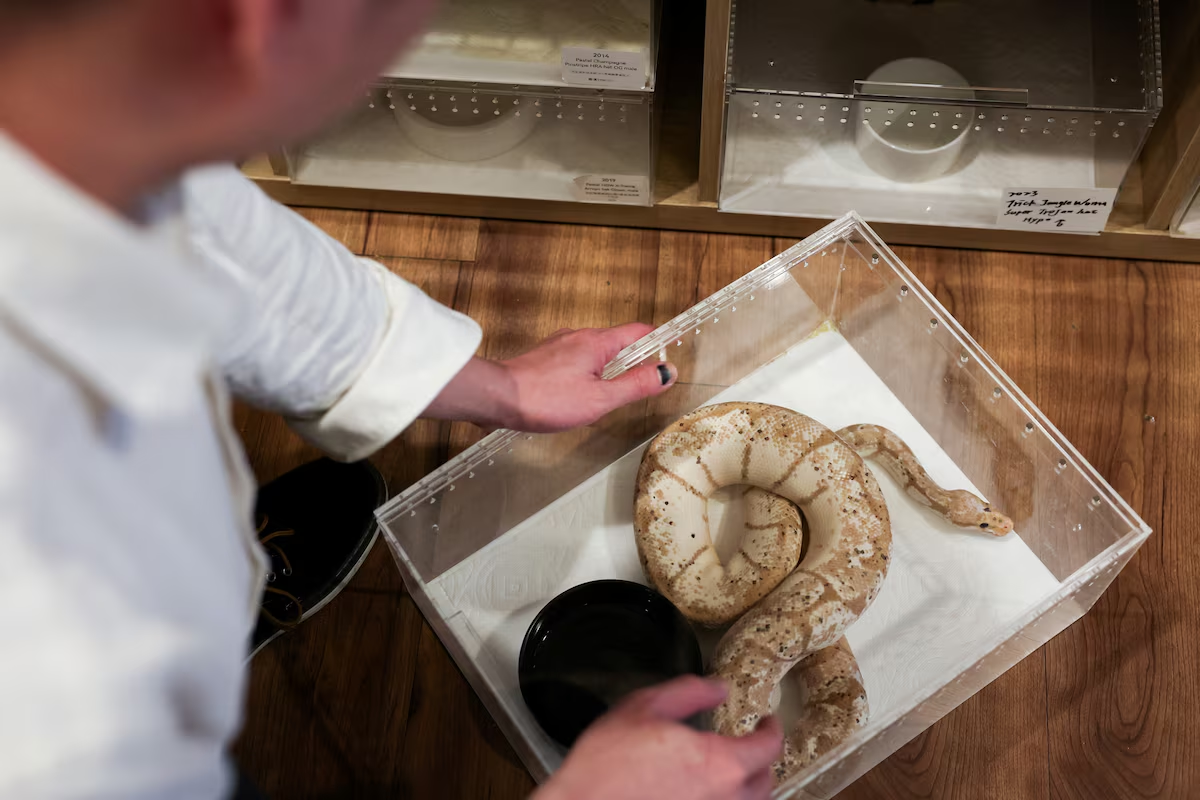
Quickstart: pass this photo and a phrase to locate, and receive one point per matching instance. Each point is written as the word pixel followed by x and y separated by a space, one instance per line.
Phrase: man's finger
pixel 639 383
pixel 614 340
pixel 680 698
pixel 760 749
pixel 759 786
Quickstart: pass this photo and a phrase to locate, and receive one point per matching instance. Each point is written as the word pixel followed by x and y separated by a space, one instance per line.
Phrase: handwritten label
pixel 620 69
pixel 627 189
pixel 1058 210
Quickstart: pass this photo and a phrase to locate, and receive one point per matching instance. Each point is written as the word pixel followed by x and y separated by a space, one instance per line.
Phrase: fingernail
pixel 664 374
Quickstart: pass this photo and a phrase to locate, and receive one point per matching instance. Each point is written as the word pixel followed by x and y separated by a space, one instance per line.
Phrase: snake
pixel 789 614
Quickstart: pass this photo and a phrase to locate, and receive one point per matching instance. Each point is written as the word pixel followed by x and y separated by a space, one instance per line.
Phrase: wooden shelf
pixel 679 208
pixel 690 111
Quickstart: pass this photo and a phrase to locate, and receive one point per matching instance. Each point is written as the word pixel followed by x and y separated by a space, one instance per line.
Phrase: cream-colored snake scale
pixel 789 613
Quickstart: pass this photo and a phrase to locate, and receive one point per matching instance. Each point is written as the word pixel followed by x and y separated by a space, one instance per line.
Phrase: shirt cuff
pixel 424 347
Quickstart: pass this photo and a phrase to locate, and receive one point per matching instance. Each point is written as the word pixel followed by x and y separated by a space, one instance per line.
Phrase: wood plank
pixel 422 236
pixel 691 266
pixel 530 280
pixel 994 745
pixel 1125 237
pixel 437 278
pixel 1118 719
pixel 328 703
pixel 348 227
pixel 452 748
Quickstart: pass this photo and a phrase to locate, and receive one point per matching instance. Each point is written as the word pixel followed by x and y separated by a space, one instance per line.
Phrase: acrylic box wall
pixel 836 327
pixel 1052 95
pixel 488 140
pixel 521 41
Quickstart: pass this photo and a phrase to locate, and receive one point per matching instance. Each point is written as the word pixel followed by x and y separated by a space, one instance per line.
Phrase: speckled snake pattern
pixel 789 616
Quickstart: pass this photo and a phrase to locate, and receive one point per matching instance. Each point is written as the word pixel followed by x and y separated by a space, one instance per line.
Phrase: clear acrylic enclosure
pixel 839 329
pixel 522 41
pixel 471 138
pixel 926 112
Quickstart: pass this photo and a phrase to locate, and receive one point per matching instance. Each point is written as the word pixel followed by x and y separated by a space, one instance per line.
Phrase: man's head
pixel 187 80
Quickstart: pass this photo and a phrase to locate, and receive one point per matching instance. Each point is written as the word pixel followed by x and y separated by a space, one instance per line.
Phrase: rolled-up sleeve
pixel 350 353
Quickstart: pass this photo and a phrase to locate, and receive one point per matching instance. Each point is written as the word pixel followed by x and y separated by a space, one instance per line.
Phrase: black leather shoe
pixel 317 524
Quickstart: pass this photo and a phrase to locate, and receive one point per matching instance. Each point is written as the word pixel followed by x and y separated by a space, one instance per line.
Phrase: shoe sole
pixel 337 589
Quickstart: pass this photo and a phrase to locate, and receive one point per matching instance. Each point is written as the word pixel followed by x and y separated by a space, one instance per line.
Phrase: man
pixel 136 292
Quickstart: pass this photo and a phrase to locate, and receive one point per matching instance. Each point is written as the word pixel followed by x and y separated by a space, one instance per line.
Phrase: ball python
pixel 789 616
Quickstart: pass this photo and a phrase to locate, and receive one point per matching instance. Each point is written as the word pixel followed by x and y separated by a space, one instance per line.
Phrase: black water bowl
pixel 593 645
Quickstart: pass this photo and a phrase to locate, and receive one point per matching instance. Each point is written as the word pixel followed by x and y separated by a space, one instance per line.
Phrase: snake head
pixel 995 523
pixel 968 511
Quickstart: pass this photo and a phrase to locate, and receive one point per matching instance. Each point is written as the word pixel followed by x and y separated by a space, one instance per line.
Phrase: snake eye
pixel 983 524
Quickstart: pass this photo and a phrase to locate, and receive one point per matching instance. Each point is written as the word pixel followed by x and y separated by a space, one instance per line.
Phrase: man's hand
pixel 553 387
pixel 641 750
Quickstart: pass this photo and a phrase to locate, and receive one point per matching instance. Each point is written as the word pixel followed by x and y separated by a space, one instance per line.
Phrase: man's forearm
pixel 484 392
pixel 553 387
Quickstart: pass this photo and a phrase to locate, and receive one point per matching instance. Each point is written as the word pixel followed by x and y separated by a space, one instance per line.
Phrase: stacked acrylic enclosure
pixel 839 329
pixel 927 112
pixel 515 98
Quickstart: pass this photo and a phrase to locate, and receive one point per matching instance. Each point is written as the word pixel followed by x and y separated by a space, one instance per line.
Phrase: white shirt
pixel 129 573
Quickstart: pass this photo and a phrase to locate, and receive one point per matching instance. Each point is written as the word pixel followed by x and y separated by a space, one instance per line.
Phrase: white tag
pixel 1061 210
pixel 630 189
pixel 620 69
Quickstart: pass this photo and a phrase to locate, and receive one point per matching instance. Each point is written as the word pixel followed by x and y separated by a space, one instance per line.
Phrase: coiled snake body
pixel 786 615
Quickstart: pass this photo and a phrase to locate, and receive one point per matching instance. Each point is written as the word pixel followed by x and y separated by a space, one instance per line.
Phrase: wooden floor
pixel 363 701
